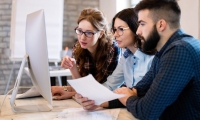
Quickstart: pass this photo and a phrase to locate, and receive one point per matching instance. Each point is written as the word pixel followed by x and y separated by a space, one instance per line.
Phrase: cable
pixel 10 91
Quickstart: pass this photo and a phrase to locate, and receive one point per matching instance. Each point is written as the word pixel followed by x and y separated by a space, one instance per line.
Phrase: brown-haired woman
pixel 94 53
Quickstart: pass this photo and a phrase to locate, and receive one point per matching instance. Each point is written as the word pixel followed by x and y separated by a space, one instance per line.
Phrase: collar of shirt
pixel 179 33
pixel 138 54
pixel 127 53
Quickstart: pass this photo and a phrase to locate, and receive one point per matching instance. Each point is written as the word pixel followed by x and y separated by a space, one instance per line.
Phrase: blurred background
pixel 72 8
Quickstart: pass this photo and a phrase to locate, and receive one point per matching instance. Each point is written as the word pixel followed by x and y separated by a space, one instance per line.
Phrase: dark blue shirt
pixel 171 88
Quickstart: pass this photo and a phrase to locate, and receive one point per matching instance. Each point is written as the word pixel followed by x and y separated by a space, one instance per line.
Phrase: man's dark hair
pixel 168 10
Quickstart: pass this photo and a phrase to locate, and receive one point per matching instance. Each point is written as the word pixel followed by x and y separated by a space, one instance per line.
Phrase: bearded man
pixel 170 90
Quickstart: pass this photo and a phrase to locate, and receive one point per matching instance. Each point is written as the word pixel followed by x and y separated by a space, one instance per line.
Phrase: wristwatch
pixel 65 88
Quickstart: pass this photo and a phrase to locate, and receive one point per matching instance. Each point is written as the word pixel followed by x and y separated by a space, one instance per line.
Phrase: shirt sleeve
pixel 117 78
pixel 174 73
pixel 111 62
pixel 115 104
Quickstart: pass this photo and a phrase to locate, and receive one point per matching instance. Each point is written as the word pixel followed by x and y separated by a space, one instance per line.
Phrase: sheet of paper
pixel 80 114
pixel 90 88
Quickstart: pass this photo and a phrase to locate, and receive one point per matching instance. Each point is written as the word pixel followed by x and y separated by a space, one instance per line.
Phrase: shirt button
pixel 134 63
pixel 134 57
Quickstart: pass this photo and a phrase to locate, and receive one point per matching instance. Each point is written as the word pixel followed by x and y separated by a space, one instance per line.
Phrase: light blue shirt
pixel 130 69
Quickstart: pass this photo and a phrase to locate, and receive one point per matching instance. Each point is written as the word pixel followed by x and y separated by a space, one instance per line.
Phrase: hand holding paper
pixel 90 88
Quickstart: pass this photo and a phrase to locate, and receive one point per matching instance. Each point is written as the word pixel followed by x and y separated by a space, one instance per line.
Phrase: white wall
pixel 122 4
pixel 111 7
pixel 199 19
pixel 190 17
pixel 108 7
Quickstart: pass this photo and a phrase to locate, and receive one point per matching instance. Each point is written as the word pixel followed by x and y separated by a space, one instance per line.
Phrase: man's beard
pixel 151 42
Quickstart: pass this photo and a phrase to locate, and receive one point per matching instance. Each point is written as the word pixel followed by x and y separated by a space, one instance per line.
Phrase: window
pixel 134 2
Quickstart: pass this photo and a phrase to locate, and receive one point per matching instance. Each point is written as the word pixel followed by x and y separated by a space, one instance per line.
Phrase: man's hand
pixel 59 93
pixel 127 92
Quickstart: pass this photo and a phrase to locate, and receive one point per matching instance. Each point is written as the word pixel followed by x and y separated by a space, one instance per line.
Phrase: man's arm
pixel 174 73
pixel 127 91
pixel 143 85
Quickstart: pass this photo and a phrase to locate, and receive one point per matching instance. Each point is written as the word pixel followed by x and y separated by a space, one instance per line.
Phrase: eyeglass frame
pixel 85 33
pixel 125 28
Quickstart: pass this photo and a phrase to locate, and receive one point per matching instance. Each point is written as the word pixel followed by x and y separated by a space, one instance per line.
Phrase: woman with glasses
pixel 94 53
pixel 134 63
pixel 132 66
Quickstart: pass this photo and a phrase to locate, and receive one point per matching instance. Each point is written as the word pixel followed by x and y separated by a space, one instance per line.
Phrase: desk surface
pixel 58 106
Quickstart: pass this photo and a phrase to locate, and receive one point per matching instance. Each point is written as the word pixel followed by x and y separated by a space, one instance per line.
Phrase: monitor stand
pixel 26 108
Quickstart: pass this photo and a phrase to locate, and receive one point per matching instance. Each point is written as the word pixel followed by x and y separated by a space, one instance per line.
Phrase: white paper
pixel 90 88
pixel 80 114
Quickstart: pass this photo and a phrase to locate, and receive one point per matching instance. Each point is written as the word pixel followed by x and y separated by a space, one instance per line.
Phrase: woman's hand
pixel 85 103
pixel 68 62
pixel 59 93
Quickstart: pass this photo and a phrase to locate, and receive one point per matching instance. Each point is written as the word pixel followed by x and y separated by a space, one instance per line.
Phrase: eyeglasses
pixel 87 34
pixel 119 30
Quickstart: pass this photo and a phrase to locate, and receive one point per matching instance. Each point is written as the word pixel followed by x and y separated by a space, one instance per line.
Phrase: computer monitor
pixel 38 64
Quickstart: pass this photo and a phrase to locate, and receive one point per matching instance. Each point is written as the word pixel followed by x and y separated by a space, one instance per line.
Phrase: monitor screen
pixel 36 49
pixel 37 58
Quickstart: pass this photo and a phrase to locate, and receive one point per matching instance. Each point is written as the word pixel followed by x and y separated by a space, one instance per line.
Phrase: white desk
pixel 58 106
pixel 54 73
